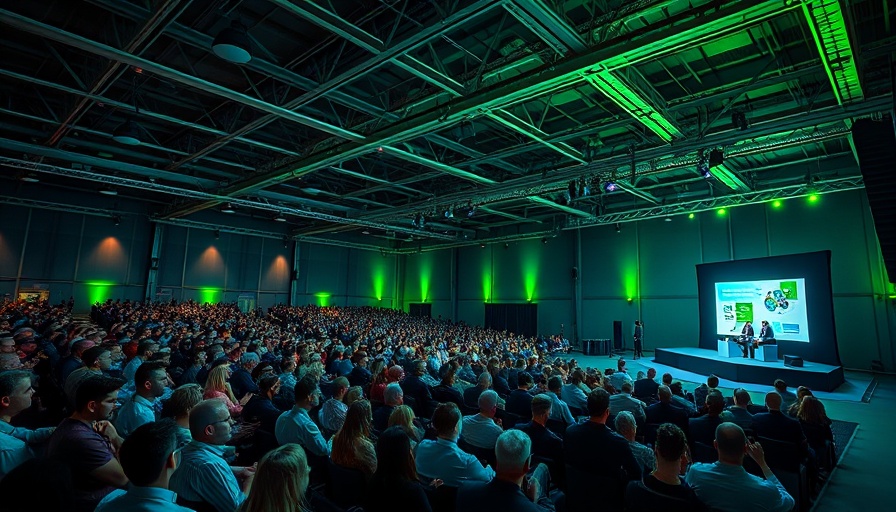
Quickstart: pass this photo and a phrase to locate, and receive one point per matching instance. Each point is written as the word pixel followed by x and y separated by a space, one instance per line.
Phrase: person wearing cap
pixel 241 381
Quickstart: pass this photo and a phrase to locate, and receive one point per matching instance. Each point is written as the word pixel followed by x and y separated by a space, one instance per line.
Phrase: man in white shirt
pixel 482 430
pixel 151 380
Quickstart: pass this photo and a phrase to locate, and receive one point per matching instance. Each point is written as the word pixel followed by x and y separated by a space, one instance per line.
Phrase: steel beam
pixel 332 22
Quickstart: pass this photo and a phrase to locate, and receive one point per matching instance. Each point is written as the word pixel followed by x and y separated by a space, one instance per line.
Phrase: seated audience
pixel 445 391
pixel 241 381
pixel 97 361
pixel 17 444
pixel 511 488
pixel 260 408
pixel 482 430
pixel 662 489
pixel 87 443
pixel 442 458
pixel 203 478
pixel 417 390
pixel 624 401
pixel 703 428
pixel 665 411
pixel 712 382
pixel 817 428
pixel 150 381
pixel 739 413
pixel 148 458
pixel 627 427
pixel 559 410
pixel 646 388
pixel 352 446
pixel 681 400
pixel 545 444
pixel 178 408
pixel 296 426
pixel 217 387
pixel 395 486
pixel 726 486
pixel 787 396
pixel 281 482
pixel 801 392
pixel 620 376
pixel 393 396
pixel 591 441
pixel 403 417
pixel 332 414
pixel 471 394
pixel 520 400
pixel 573 394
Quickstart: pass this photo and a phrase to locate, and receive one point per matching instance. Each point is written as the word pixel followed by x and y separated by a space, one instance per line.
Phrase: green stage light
pixel 776 204
pixel 379 281
pixel 530 256
pixel 209 295
pixel 425 276
pixel 323 298
pixel 99 291
pixel 813 198
pixel 690 215
pixel 721 212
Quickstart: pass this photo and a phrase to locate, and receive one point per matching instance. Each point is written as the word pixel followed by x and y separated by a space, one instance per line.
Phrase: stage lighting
pixel 610 186
pixel 116 219
pixel 703 167
pixel 471 211
pixel 449 213
pixel 279 218
pixel 228 208
pixel 232 44
pixel 217 234
pixel 106 191
pixel 127 133
pixel 618 228
pixel 418 221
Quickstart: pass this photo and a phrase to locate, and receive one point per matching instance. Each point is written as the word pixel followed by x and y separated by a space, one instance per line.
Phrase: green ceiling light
pixel 628 98
pixel 776 204
pixel 729 178
pixel 813 198
pixel 99 291
pixel 690 215
pixel 721 212
pixel 425 277
pixel 209 295
pixel 530 259
pixel 323 298
pixel 829 29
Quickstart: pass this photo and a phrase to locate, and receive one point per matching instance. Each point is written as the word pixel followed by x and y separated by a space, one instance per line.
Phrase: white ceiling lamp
pixel 30 178
pixel 127 133
pixel 106 191
pixel 232 44
pixel 228 208
pixel 279 218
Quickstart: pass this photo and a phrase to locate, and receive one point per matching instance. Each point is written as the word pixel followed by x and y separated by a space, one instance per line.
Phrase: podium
pixel 729 349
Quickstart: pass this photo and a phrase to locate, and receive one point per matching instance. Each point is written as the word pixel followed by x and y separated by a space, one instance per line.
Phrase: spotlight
pixel 116 219
pixel 471 211
pixel 449 213
pixel 217 234
pixel 106 191
pixel 279 218
pixel 618 228
pixel 127 133
pixel 30 178
pixel 286 242
pixel 232 44
pixel 228 208
pixel 703 167
pixel 482 245
pixel 610 186
pixel 544 240
pixel 418 221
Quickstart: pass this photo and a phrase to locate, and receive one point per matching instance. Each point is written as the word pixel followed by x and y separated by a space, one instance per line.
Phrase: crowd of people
pixel 186 406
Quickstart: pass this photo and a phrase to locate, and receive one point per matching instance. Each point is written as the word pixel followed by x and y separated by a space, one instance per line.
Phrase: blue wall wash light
pixel 232 44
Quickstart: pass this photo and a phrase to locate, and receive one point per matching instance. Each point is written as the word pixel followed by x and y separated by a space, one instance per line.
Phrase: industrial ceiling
pixel 422 124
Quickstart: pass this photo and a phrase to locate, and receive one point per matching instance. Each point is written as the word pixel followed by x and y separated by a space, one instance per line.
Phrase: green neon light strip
pixel 727 176
pixel 629 100
pixel 828 26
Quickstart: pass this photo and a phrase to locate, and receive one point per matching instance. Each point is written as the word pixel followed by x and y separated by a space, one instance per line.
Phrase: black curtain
pixel 420 310
pixel 516 318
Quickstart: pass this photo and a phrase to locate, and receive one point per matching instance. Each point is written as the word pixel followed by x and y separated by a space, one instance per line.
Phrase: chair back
pixel 346 485
pixel 480 453
pixel 704 453
pixel 582 487
pixel 781 455
pixel 649 431
pixel 442 499
pixel 557 426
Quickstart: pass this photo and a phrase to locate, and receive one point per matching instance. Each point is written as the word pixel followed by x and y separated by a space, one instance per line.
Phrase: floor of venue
pixel 863 476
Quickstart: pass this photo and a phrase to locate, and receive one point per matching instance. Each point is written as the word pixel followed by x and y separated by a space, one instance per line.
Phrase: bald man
pixel 725 485
pixel 776 425
pixel 204 478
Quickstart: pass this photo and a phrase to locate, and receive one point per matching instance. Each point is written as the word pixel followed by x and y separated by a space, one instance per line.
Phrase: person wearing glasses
pixel 148 456
pixel 204 479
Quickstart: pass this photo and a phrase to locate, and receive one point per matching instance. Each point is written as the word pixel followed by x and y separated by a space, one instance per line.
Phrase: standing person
pixel 639 339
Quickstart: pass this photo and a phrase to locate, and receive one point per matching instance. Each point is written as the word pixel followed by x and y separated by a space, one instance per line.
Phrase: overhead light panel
pixel 634 102
pixel 30 178
pixel 279 218
pixel 106 191
pixel 228 208
pixel 232 44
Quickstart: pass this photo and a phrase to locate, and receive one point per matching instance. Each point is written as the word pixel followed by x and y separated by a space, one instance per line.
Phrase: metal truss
pixel 701 205
pixel 206 196
pixel 68 208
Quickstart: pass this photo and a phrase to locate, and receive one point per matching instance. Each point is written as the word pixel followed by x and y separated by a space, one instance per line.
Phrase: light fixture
pixel 228 208
pixel 449 213
pixel 127 133
pixel 618 228
pixel 217 234
pixel 544 240
pixel 471 211
pixel 232 43
pixel 106 191
pixel 30 178
pixel 365 232
pixel 285 242
pixel 668 219
pixel 610 186
pixel 116 219
pixel 279 218
pixel 418 221
pixel 703 167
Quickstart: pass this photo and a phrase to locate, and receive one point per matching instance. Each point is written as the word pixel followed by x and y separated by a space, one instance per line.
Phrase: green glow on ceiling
pixel 829 30
pixel 209 295
pixel 323 298
pixel 99 291
pixel 630 100
pixel 530 256
pixel 813 198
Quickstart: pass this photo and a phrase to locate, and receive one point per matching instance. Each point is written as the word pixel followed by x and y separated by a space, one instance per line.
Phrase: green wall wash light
pixel 425 276
pixel 210 295
pixel 690 215
pixel 486 285
pixel 630 280
pixel 323 299
pixel 379 281
pixel 531 257
pixel 813 198
pixel 776 204
pixel 99 291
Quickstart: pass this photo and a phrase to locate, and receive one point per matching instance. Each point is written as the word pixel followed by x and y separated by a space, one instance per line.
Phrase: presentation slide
pixel 781 302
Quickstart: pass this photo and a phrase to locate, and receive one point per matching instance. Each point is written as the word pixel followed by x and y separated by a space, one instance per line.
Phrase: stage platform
pixel 816 376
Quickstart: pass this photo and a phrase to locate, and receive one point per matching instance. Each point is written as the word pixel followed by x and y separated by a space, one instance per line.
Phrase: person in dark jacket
pixel 394 486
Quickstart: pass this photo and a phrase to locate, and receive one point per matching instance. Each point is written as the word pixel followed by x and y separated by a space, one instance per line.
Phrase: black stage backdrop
pixel 516 318
pixel 814 267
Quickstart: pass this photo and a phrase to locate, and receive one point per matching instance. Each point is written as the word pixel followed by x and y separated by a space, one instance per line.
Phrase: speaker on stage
pixel 617 335
pixel 793 361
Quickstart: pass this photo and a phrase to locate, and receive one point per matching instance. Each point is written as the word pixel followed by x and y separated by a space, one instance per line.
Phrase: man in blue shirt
pixel 16 442
pixel 442 458
pixel 296 426
pixel 150 380
pixel 241 381
pixel 204 477
pixel 148 456
pixel 726 485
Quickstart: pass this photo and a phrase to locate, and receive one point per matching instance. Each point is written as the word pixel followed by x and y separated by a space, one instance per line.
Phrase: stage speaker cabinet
pixel 793 361
pixel 617 335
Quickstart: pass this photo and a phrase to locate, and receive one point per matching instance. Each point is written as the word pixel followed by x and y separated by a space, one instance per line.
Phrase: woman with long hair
pixel 352 447
pixel 403 416
pixel 394 486
pixel 801 392
pixel 216 386
pixel 280 482
pixel 817 427
pixel 354 394
pixel 377 379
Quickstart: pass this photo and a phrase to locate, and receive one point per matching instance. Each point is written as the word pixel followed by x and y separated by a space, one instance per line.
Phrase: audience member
pixel 149 457
pixel 332 414
pixel 442 458
pixel 445 391
pixel 545 444
pixel 150 380
pixel 403 416
pixel 663 489
pixel 260 408
pixel 817 428
pixel 417 390
pixel 17 444
pixel 203 478
pixel 681 400
pixel 393 396
pixel 665 411
pixel 217 387
pixel 646 388
pixel 573 394
pixel 97 361
pixel 712 382
pixel 281 482
pixel 624 401
pixel 511 488
pixel 592 441
pixel 471 394
pixel 620 376
pixel 787 396
pixel 627 427
pixel 241 381
pixel 178 408
pixel 352 447
pixel 739 413
pixel 296 426
pixel 703 429
pixel 727 487
pixel 801 392
pixel 395 486
pixel 559 410
pixel 87 443
pixel 520 400
pixel 482 430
